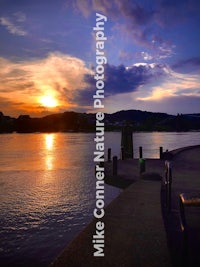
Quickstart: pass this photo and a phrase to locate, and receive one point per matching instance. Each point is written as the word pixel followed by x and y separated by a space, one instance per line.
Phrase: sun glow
pixel 48 101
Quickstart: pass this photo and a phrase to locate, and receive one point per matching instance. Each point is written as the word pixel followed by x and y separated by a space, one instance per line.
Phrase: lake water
pixel 47 188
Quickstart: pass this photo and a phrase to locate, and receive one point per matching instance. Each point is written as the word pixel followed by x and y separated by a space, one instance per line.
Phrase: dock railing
pixel 168 184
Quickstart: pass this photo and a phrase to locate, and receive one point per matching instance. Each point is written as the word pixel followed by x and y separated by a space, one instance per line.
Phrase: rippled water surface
pixel 152 141
pixel 47 193
pixel 47 189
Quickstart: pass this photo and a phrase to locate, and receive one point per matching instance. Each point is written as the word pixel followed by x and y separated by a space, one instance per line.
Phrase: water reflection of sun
pixel 49 162
pixel 49 145
pixel 49 141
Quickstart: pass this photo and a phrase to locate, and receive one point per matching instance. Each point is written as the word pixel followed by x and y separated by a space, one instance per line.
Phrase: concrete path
pixel 136 234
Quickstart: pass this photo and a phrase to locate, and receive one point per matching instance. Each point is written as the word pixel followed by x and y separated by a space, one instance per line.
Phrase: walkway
pixel 136 234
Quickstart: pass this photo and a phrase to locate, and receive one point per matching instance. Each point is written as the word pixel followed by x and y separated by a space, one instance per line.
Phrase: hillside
pixel 70 121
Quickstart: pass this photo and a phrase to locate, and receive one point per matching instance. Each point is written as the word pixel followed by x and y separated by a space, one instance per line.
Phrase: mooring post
pixel 142 166
pixel 140 152
pixel 115 166
pixel 109 154
pixel 122 153
pixel 161 152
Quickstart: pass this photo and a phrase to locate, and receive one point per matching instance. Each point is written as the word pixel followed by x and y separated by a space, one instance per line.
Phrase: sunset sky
pixel 47 56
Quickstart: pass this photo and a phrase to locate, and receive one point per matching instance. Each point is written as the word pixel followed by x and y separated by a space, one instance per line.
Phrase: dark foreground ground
pixel 185 179
pixel 140 231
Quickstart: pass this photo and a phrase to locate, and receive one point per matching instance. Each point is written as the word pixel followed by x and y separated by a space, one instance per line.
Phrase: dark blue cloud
pixel 187 65
pixel 119 80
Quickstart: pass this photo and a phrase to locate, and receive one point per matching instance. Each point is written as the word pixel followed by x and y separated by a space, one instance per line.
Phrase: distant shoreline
pixel 108 131
pixel 140 121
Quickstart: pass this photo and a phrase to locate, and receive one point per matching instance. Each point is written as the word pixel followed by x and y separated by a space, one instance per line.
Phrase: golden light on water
pixel 50 153
pixel 49 162
pixel 49 141
pixel 49 158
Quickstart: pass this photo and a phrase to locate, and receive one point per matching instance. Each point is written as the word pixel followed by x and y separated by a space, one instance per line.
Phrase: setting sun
pixel 48 101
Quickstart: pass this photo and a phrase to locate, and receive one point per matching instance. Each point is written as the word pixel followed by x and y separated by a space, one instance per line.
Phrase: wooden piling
pixel 142 166
pixel 115 166
pixel 127 141
pixel 140 152
pixel 109 154
pixel 122 153
pixel 161 152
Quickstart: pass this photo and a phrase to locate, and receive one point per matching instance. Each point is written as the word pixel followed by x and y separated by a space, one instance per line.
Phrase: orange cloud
pixel 175 84
pixel 25 82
